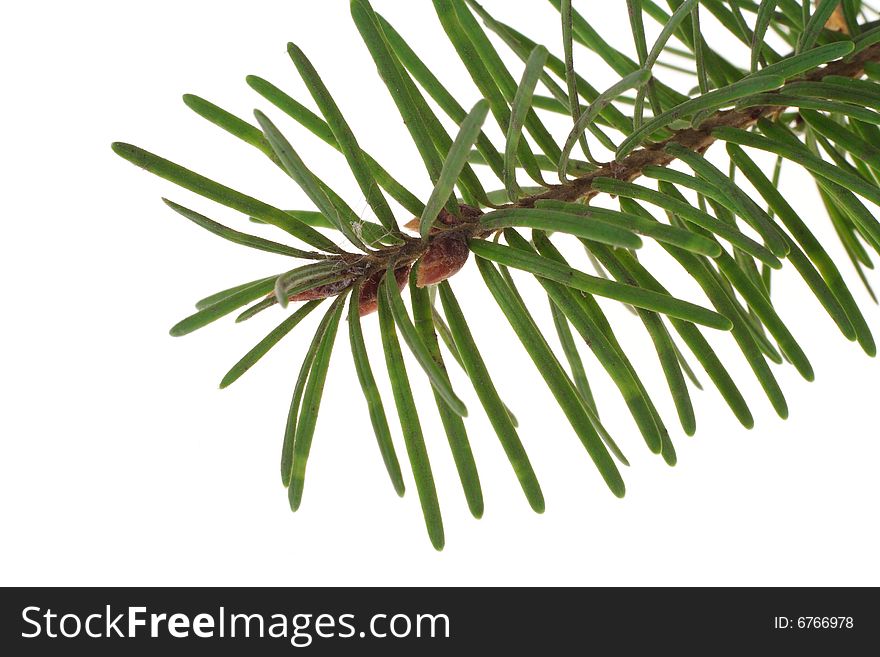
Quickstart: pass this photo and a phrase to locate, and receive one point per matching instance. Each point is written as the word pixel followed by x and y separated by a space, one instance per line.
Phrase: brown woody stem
pixel 696 139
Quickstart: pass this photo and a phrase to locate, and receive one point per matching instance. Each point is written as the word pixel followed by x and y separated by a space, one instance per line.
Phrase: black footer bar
pixel 427 621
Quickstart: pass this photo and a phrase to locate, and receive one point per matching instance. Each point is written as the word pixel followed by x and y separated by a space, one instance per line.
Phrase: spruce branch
pixel 817 107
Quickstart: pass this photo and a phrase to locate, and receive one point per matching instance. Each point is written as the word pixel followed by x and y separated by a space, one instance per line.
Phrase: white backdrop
pixel 123 464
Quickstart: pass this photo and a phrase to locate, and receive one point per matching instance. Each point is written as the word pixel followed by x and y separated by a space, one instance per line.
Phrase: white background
pixel 123 464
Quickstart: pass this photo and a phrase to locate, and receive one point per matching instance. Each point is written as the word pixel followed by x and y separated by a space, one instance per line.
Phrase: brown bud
pixel 368 301
pixel 324 291
pixel 469 215
pixel 837 21
pixel 444 258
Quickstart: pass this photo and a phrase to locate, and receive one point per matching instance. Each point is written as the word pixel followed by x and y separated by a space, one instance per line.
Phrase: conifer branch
pixel 817 107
